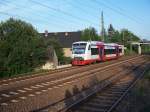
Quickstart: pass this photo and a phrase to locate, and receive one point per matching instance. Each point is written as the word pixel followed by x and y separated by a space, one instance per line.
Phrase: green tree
pixel 21 48
pixel 89 34
pixel 111 31
pixel 123 37
pixel 116 37
pixel 127 37
pixel 113 35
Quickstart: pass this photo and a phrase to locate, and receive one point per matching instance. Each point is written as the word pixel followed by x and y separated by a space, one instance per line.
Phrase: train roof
pixel 120 45
pixel 80 42
pixel 98 43
pixel 91 42
pixel 111 44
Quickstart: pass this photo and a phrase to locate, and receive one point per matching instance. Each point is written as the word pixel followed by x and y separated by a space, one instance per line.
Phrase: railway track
pixel 48 76
pixel 23 96
pixel 7 81
pixel 107 100
pixel 83 95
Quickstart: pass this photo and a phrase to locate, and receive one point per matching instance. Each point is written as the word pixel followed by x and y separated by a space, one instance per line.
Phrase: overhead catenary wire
pixel 29 19
pixel 63 12
pixel 117 11
pixel 45 20
pixel 76 6
pixel 131 18
pixel 75 20
pixel 123 10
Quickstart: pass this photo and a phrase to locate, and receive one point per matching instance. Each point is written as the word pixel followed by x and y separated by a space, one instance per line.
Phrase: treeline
pixel 22 49
pixel 111 35
pixel 124 37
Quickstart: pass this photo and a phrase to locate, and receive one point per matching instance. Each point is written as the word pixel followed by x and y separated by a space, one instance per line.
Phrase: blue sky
pixel 74 15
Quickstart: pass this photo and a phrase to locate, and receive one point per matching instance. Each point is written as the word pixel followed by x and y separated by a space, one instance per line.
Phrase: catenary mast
pixel 102 27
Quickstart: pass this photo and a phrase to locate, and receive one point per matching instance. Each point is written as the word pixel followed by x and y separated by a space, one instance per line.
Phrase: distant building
pixel 65 39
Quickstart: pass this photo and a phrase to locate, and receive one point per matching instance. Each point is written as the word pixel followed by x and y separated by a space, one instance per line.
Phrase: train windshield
pixel 79 48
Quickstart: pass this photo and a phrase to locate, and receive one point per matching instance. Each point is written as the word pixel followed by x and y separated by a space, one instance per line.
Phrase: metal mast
pixel 102 27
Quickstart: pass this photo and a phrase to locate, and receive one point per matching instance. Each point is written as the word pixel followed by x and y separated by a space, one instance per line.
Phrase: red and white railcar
pixel 87 52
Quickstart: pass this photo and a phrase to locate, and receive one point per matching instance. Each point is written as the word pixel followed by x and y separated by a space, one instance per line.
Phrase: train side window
pixel 94 51
pixel 109 51
pixel 89 48
pixel 106 51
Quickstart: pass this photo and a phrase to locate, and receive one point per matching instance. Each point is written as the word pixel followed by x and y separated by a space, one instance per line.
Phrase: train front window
pixel 79 48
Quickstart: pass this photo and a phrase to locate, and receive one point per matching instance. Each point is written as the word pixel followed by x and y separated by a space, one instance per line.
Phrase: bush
pixel 21 48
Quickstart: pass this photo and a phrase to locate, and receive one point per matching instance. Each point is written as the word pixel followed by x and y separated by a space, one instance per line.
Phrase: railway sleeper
pixel 110 94
pixel 98 101
pixel 116 92
pixel 89 109
pixel 112 91
pixel 106 97
pixel 123 83
pixel 103 106
pixel 119 89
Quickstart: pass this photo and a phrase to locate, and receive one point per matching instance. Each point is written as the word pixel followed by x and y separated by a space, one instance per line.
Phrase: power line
pixel 60 19
pixel 39 16
pixel 75 18
pixel 3 3
pixel 81 8
pixel 68 14
pixel 117 11
pixel 63 12
pixel 85 5
pixel 8 14
pixel 25 18
pixel 120 8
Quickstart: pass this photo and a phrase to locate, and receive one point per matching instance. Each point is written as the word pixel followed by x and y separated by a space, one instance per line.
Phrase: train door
pixel 117 51
pixel 101 53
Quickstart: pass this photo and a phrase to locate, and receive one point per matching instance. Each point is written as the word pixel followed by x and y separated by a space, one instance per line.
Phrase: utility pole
pixel 102 27
pixel 123 39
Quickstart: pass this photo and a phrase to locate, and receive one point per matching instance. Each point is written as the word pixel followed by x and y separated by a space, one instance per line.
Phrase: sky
pixel 75 15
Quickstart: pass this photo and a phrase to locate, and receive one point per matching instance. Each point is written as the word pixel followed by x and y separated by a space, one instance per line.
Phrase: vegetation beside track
pixel 22 49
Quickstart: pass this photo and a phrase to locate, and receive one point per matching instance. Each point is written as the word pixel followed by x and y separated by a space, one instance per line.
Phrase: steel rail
pixel 115 104
pixel 125 93
pixel 74 77
pixel 107 83
pixel 5 81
